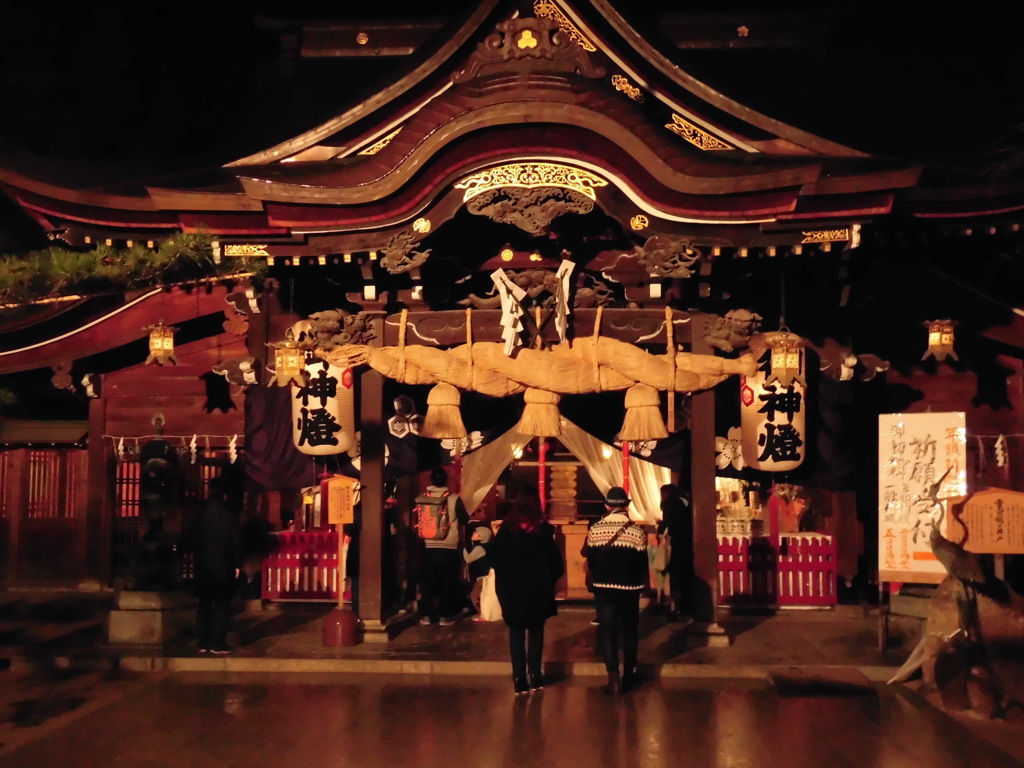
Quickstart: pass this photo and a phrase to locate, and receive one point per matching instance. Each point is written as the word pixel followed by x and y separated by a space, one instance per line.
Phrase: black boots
pixel 536 682
pixel 520 684
pixel 629 680
pixel 614 684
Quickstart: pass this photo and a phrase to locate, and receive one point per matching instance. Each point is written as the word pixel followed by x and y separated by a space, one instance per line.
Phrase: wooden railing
pixel 801 572
pixel 301 566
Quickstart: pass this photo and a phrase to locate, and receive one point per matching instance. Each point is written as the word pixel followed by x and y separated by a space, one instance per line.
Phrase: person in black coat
pixel 677 522
pixel 215 540
pixel 527 565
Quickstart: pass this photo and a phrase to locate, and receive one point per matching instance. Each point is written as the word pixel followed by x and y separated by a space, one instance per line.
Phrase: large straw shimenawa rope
pixel 585 365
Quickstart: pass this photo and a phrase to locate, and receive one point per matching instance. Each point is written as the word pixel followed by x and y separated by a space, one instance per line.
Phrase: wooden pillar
pixel 371 478
pixel 704 500
pixel 99 511
pixel 17 500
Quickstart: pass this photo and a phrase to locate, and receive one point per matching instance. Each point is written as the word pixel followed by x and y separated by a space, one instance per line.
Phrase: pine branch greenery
pixel 56 272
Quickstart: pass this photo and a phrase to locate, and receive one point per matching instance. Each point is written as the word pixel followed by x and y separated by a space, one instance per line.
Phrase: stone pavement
pixel 65 629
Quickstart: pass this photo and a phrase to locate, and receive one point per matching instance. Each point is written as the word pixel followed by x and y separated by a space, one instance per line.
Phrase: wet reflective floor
pixel 477 722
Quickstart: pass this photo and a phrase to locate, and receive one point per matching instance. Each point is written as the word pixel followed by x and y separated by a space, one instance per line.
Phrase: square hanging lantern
pixel 161 344
pixel 787 357
pixel 289 361
pixel 940 340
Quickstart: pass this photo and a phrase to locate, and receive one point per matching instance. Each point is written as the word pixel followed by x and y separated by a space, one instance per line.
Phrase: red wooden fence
pixel 302 566
pixel 801 573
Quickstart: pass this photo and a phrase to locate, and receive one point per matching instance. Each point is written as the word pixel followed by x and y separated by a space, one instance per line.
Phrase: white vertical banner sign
pixel 317 410
pixel 915 452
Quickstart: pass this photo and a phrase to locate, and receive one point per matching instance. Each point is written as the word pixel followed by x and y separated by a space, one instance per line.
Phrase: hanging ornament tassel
pixel 443 419
pixel 643 415
pixel 1001 451
pixel 540 415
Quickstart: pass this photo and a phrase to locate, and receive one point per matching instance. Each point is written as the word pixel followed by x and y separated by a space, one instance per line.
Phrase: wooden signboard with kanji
pixel 988 522
pixel 340 497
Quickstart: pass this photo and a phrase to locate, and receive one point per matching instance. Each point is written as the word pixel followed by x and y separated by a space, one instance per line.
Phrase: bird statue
pixel 958 562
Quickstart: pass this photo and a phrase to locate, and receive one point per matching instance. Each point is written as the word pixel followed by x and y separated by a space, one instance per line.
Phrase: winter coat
pixel 527 566
pixel 215 539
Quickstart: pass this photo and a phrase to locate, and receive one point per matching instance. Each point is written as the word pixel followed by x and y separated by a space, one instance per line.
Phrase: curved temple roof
pixel 522 98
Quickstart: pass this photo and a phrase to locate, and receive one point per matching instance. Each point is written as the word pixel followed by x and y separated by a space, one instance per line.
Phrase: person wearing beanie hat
pixel 475 554
pixel 616 552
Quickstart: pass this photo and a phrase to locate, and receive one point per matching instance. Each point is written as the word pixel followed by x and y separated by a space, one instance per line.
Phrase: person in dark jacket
pixel 616 552
pixel 527 565
pixel 677 524
pixel 215 540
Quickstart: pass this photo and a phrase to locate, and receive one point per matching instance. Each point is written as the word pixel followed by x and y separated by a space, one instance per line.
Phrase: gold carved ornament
pixel 623 85
pixel 246 249
pixel 373 149
pixel 696 136
pixel 546 9
pixel 531 176
pixel 639 222
pixel 826 235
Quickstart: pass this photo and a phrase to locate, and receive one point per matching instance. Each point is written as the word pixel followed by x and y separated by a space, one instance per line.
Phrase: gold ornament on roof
pixel 373 149
pixel 639 222
pixel 696 136
pixel 507 254
pixel 622 84
pixel 546 9
pixel 421 225
pixel 531 176
pixel 526 40
pixel 826 235
pixel 245 249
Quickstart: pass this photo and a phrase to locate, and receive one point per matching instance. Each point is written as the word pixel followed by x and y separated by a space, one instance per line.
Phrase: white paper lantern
pixel 773 415
pixel 319 417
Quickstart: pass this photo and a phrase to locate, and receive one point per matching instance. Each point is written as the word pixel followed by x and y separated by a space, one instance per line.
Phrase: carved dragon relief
pixel 401 254
pixel 531 210
pixel 529 39
pixel 668 257
pixel 332 328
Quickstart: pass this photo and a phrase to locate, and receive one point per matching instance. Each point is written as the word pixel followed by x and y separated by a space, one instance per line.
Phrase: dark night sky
pixel 161 85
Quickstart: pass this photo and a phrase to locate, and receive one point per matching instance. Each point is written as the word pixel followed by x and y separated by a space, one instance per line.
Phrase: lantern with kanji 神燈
pixel 940 340
pixel 289 361
pixel 322 410
pixel 161 344
pixel 773 404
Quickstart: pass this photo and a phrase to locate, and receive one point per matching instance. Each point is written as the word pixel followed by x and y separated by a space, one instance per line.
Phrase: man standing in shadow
pixel 216 545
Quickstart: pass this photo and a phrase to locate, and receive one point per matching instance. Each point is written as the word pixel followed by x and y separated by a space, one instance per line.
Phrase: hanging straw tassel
pixel 443 419
pixel 540 416
pixel 643 415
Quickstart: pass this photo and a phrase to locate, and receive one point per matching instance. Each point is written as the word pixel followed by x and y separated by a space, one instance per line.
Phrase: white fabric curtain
pixel 482 467
pixel 604 464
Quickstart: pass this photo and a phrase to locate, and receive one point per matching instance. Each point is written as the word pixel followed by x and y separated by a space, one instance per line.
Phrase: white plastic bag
pixel 490 609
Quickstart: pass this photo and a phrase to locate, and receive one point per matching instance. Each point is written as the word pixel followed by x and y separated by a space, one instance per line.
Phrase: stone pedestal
pixel 149 618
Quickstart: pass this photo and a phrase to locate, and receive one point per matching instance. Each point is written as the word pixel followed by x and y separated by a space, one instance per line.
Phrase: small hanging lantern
pixel 940 340
pixel 289 361
pixel 161 344
pixel 787 357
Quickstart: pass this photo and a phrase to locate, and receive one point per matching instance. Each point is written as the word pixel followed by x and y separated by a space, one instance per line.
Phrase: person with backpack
pixel 440 514
pixel 616 552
